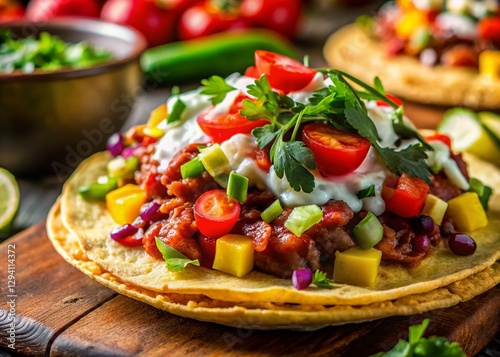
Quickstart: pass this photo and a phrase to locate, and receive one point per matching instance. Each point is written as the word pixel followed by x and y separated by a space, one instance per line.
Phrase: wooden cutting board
pixel 61 312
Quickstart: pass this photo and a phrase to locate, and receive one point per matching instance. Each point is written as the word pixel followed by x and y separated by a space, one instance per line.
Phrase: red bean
pixel 422 224
pixel 421 243
pixel 462 244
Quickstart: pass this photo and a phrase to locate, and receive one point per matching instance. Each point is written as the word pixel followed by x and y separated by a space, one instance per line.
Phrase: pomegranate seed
pixel 461 244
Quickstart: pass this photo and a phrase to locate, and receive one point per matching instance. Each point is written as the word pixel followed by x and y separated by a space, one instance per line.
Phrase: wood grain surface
pixel 62 312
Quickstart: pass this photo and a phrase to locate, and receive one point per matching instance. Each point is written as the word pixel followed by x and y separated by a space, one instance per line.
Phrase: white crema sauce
pixel 239 150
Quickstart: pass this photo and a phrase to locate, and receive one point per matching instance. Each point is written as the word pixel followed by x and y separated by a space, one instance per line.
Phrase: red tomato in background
pixel 395 99
pixel 157 24
pixel 43 10
pixel 205 19
pixel 221 127
pixel 281 16
pixel 11 12
pixel 489 29
pixel 283 73
pixel 405 196
pixel 216 213
pixel 336 152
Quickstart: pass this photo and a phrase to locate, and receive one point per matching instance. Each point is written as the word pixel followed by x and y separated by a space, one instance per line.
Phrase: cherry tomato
pixel 207 246
pixel 395 99
pixel 489 29
pixel 336 152
pixel 405 196
pixel 252 72
pixel 445 139
pixel 205 19
pixel 43 10
pixel 281 16
pixel 283 73
pixel 221 127
pixel 216 213
pixel 262 160
pixel 155 23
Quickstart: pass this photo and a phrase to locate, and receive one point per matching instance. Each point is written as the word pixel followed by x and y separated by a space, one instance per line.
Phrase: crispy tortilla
pixel 267 315
pixel 353 51
pixel 91 224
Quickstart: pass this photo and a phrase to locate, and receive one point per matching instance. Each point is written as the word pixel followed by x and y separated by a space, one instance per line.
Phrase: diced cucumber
pixel 272 212
pixel 302 218
pixel 237 187
pixel 463 126
pixel 368 232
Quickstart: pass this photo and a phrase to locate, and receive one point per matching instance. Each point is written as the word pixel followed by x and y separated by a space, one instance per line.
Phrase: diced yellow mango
pixel 435 208
pixel 466 212
pixel 158 115
pixel 409 22
pixel 357 266
pixel 124 204
pixel 234 255
pixel 489 64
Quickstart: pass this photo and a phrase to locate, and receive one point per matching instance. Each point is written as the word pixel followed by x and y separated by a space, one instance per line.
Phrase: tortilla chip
pixel 267 315
pixel 353 51
pixel 91 224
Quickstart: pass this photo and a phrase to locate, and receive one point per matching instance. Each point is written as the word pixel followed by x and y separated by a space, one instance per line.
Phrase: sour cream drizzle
pixel 238 149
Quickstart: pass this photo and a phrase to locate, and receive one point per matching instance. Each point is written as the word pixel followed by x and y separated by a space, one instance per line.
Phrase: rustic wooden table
pixel 66 323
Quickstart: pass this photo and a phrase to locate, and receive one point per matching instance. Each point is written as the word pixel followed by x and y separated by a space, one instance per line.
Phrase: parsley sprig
pixel 321 281
pixel 341 106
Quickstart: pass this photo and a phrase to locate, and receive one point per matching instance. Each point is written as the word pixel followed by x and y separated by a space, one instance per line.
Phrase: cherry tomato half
pixel 405 196
pixel 489 29
pixel 283 73
pixel 221 127
pixel 336 152
pixel 216 213
pixel 445 139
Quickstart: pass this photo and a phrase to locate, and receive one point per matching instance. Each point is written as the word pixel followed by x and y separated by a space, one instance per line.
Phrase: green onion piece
pixel 237 187
pixel 302 218
pixel 222 179
pixel 98 190
pixel 122 168
pixel 214 160
pixel 484 192
pixel 272 212
pixel 368 232
pixel 192 168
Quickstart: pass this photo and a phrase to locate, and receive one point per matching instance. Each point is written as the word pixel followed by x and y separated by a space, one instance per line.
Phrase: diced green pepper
pixel 237 187
pixel 120 167
pixel 214 160
pixel 98 190
pixel 272 212
pixel 483 192
pixel 302 218
pixel 192 168
pixel 368 232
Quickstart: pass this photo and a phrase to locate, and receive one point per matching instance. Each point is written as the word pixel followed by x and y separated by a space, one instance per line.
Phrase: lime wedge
pixel 472 133
pixel 9 200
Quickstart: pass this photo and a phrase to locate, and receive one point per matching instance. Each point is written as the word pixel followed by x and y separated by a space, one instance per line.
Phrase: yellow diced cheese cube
pixel 466 212
pixel 234 255
pixel 435 208
pixel 357 266
pixel 489 64
pixel 124 204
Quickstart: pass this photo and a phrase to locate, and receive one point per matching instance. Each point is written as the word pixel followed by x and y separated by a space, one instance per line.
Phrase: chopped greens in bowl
pixel 47 52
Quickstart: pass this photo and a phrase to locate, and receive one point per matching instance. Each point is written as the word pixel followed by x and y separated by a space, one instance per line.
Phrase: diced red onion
pixel 149 211
pixel 302 278
pixel 129 151
pixel 115 144
pixel 120 233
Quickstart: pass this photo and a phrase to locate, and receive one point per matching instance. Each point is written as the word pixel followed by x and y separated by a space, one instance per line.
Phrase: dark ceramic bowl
pixel 50 121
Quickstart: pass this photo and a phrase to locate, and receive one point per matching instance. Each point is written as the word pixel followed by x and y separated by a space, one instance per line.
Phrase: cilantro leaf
pixel 406 132
pixel 410 160
pixel 321 281
pixel 360 121
pixel 290 160
pixel 265 134
pixel 253 111
pixel 377 83
pixel 367 192
pixel 418 346
pixel 174 259
pixel 217 88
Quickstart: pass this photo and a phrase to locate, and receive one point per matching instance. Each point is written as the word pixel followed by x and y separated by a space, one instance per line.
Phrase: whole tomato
pixel 43 10
pixel 207 18
pixel 155 20
pixel 281 16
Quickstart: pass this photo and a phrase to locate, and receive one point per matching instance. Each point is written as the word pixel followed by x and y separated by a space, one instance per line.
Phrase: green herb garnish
pixel 48 53
pixel 217 88
pixel 178 108
pixel 367 192
pixel 321 281
pixel 174 259
pixel 418 346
